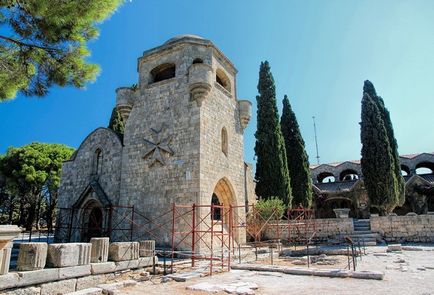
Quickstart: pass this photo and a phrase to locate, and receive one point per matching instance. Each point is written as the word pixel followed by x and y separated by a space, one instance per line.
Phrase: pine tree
pixel 297 159
pixel 272 178
pixel 377 159
pixel 369 88
pixel 44 43
pixel 116 122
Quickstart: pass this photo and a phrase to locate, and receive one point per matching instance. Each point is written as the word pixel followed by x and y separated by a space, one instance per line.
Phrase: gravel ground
pixel 409 272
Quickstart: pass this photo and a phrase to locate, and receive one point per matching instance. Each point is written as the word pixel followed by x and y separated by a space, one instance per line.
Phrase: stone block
pixel 89 291
pixel 24 291
pixel 90 281
pixel 126 264
pixel 61 287
pixel 146 248
pixel 100 248
pixel 68 254
pixel 32 256
pixel 104 267
pixel 74 271
pixel 148 261
pixel 35 277
pixel 394 248
pixel 121 251
pixel 8 281
pixel 5 258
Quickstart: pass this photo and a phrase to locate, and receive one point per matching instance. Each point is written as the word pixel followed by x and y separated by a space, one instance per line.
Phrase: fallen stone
pixel 411 248
pixel 394 248
pixel 421 268
pixel 299 262
pixel 399 261
pixel 104 267
pixel 393 267
pixel 109 288
pixel 32 256
pixel 381 254
pixel 100 249
pixel 89 291
pixel 183 277
pixel 121 251
pixel 207 287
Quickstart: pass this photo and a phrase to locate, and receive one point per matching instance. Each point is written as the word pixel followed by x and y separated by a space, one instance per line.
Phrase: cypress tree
pixel 297 159
pixel 377 159
pixel 272 178
pixel 116 122
pixel 369 88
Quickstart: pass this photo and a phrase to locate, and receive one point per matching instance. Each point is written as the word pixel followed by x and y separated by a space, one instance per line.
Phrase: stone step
pixel 362 232
pixel 362 229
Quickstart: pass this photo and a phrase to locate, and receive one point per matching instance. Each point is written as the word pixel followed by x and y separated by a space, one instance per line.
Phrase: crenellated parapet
pixel 200 77
pixel 245 112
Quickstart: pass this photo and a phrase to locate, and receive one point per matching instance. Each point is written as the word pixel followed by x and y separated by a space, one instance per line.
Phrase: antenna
pixel 316 140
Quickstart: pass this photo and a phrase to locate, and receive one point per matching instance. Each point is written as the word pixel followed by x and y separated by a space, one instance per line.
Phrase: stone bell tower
pixel 183 140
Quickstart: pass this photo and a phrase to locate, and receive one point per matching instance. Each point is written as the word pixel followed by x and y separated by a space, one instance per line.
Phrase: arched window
pixel 224 141
pixel 326 177
pixel 217 214
pixel 405 171
pixel 425 168
pixel 197 61
pixel 223 80
pixel 97 162
pixel 348 175
pixel 163 72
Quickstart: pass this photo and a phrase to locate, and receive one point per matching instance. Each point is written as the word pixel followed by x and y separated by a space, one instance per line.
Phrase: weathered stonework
pixel 171 151
pixel 32 256
pixel 146 248
pixel 63 255
pixel 122 251
pixel 100 249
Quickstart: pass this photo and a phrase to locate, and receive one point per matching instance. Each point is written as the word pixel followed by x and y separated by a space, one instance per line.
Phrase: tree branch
pixel 11 40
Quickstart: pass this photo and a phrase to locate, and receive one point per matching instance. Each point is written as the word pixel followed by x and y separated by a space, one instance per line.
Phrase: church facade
pixel 182 144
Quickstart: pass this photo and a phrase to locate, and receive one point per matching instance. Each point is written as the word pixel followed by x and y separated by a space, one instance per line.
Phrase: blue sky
pixel 320 53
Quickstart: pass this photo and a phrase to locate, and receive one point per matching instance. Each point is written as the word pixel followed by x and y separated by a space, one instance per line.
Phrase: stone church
pixel 183 144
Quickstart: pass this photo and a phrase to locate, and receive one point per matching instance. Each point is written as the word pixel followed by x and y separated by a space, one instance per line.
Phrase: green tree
pixel 377 159
pixel 43 42
pixel 297 159
pixel 116 122
pixel 369 88
pixel 32 174
pixel 272 178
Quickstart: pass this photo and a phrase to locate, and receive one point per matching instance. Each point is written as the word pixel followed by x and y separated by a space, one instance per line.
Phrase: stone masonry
pixel 183 142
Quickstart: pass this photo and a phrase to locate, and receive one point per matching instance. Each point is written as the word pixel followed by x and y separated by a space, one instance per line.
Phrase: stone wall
pixel 71 267
pixel 413 228
pixel 328 228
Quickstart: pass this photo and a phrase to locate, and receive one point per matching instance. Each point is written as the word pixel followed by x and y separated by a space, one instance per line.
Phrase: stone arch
pixel 97 162
pixel 225 192
pixel 223 80
pixel 405 170
pixel 92 220
pixel 348 174
pixel 163 72
pixel 324 176
pixel 425 167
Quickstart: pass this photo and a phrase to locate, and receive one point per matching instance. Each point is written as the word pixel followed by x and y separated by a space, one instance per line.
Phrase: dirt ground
pixel 408 272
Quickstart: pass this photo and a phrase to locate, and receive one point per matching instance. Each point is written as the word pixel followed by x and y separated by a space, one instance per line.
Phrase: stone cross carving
pixel 157 147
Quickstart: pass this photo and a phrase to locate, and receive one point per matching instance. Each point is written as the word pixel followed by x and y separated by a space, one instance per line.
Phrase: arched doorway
pixel 92 221
pixel 222 198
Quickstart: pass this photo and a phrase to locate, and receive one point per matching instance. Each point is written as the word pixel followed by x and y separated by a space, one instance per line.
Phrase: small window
pixel 217 214
pixel 197 61
pixel 224 141
pixel 163 72
pixel 97 162
pixel 223 80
